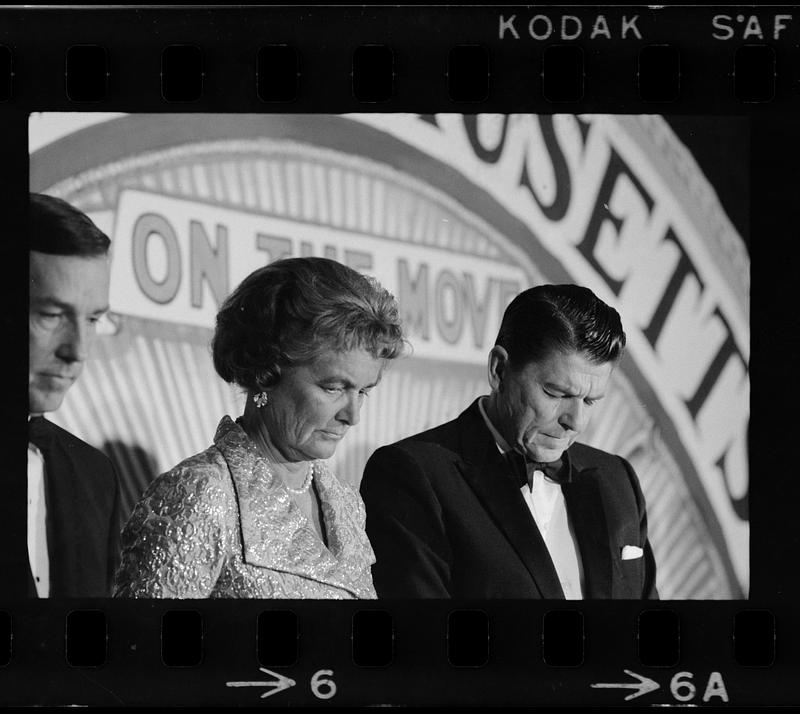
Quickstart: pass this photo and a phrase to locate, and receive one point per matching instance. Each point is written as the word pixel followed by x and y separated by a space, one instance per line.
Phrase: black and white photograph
pixel 389 356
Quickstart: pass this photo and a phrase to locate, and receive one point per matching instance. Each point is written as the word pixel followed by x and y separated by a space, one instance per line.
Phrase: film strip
pixel 459 154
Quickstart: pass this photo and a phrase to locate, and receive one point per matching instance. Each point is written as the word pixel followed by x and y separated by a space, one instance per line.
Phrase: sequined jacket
pixel 220 525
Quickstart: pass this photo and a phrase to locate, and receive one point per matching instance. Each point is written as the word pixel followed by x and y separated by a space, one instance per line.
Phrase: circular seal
pixel 454 215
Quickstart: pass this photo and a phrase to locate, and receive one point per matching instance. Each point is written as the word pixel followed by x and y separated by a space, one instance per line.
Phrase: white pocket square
pixel 631 552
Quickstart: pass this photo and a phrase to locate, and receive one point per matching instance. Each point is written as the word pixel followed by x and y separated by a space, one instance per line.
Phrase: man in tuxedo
pixel 73 491
pixel 502 502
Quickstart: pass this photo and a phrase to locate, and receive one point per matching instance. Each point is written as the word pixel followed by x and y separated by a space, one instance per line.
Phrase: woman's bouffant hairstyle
pixel 560 318
pixel 292 310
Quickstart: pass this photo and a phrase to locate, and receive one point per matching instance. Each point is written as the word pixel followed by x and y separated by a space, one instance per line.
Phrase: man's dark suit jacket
pixel 82 500
pixel 447 519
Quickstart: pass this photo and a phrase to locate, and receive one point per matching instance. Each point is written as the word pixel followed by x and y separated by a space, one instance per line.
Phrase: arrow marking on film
pixel 276 686
pixel 643 686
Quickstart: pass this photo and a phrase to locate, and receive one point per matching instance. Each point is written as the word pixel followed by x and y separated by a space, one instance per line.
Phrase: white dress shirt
pixel 545 501
pixel 37 523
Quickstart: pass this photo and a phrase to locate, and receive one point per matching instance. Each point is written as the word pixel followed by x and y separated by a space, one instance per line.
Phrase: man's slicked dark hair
pixel 60 229
pixel 560 318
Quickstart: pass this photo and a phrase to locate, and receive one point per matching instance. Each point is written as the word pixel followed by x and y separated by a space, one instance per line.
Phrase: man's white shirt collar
pixel 545 501
pixel 37 521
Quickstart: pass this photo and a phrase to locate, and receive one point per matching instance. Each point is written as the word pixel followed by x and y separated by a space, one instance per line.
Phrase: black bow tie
pixel 40 432
pixel 519 467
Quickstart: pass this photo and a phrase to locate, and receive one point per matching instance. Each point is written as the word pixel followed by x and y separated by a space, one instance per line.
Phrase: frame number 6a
pixel 681 686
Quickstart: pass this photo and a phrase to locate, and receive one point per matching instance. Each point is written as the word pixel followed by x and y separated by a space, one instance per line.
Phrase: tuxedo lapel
pixel 488 474
pixel 77 557
pixel 585 508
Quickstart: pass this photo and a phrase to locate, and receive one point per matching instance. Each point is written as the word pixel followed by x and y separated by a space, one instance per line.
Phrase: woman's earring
pixel 261 399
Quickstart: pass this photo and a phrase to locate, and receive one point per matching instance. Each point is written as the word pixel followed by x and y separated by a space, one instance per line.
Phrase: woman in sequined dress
pixel 259 514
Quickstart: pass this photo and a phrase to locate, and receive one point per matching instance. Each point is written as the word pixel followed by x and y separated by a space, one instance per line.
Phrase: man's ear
pixel 498 366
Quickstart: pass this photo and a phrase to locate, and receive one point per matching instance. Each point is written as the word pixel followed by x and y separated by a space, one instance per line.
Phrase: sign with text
pixel 592 193
pixel 454 214
pixel 177 260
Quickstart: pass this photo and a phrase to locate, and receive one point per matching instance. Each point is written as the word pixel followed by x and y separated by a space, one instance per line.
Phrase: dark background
pixel 761 191
pixel 721 147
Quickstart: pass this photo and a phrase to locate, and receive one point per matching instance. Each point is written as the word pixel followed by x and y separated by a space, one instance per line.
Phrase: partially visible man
pixel 502 502
pixel 73 491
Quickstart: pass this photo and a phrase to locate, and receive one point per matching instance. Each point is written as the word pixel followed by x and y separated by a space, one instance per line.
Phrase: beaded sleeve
pixel 175 541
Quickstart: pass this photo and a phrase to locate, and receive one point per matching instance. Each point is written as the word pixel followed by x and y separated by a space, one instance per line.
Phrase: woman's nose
pixel 350 413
